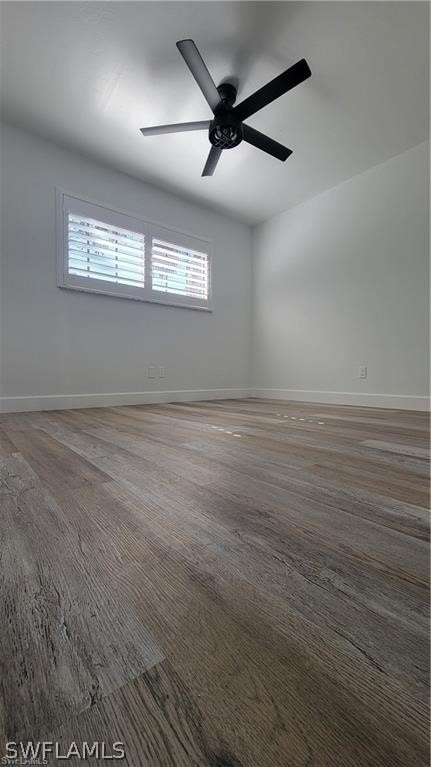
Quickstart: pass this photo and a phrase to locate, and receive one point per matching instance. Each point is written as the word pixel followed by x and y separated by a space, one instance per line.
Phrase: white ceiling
pixel 89 75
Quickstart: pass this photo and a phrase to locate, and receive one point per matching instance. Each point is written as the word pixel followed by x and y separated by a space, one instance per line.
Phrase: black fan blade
pixel 158 130
pixel 212 160
pixel 272 90
pixel 265 143
pixel 198 68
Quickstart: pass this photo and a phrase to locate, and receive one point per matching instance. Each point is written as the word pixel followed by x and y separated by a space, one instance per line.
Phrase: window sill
pixel 164 299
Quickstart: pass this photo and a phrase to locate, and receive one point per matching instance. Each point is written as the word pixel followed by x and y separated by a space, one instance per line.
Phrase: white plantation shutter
pixel 97 250
pixel 179 270
pixel 108 252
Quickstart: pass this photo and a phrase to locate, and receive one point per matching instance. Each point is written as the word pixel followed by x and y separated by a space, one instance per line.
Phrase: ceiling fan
pixel 227 129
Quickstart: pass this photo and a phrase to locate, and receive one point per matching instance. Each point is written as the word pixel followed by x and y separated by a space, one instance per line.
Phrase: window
pixel 104 251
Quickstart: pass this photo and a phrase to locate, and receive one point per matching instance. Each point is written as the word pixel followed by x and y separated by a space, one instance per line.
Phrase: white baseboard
pixel 395 401
pixel 73 401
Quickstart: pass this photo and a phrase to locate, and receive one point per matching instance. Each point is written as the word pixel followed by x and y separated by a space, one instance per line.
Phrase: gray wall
pixel 58 342
pixel 342 280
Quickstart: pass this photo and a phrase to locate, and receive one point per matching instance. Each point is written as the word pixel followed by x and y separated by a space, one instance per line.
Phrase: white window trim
pixel 66 202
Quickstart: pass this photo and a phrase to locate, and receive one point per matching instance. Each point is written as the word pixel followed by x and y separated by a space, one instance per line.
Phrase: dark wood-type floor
pixel 219 584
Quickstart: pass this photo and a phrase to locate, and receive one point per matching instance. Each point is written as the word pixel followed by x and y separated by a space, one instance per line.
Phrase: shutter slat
pixel 105 243
pixel 116 250
pixel 100 269
pixel 163 245
pixel 167 253
pixel 106 258
pixel 172 277
pixel 105 277
pixel 173 263
pixel 96 261
pixel 101 275
pixel 178 291
pixel 99 227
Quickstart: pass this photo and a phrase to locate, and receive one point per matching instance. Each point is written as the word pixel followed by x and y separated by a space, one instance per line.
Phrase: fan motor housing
pixel 225 131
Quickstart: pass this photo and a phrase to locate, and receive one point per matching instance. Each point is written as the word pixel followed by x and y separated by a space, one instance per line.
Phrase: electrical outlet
pixel 161 372
pixel 363 371
pixel 151 371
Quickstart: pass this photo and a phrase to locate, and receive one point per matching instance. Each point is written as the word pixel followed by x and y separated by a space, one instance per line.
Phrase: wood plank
pixel 53 462
pixel 6 445
pixel 154 717
pixel 390 447
pixel 67 638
